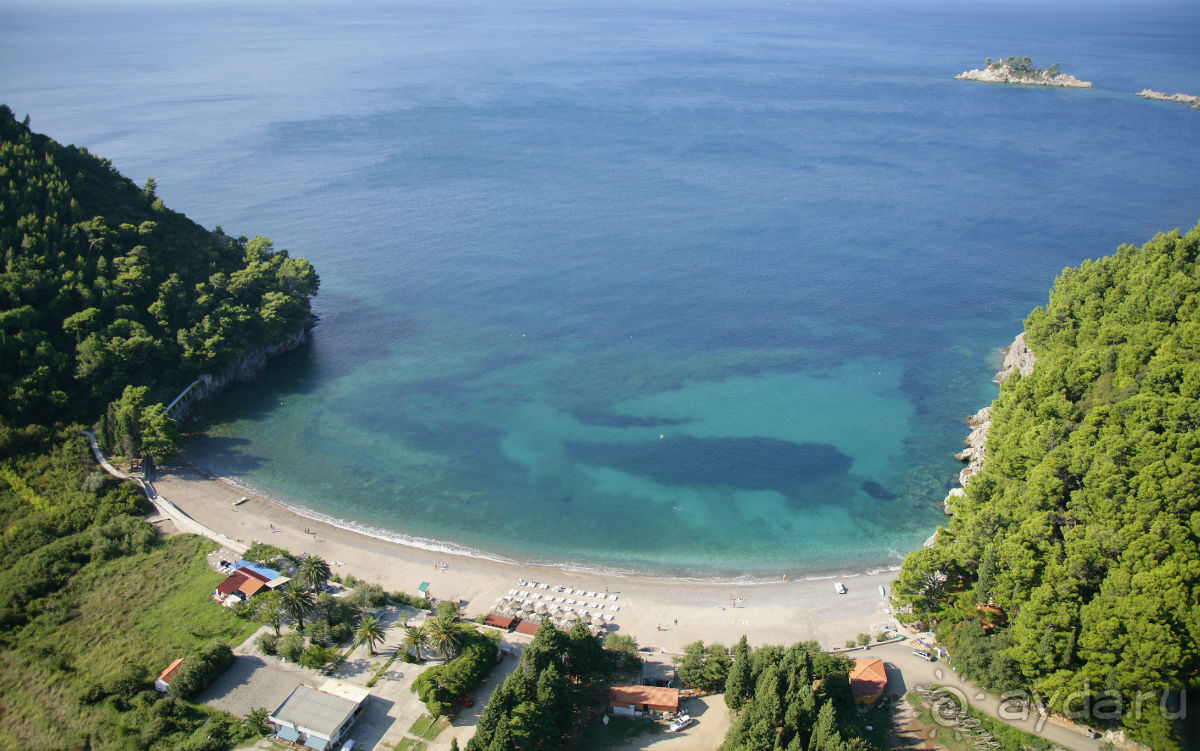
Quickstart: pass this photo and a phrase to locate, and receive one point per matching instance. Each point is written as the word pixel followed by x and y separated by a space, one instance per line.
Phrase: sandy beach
pixel 658 612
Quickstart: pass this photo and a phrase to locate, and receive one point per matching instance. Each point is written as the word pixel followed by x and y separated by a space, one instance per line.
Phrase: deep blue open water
pixel 690 287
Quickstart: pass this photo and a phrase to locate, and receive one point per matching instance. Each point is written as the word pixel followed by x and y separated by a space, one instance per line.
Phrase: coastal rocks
pixel 1018 358
pixel 247 368
pixel 1003 74
pixel 1162 97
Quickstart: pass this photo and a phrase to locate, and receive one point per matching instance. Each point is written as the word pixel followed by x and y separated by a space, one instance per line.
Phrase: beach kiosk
pixel 641 700
pixel 424 589
pixel 868 679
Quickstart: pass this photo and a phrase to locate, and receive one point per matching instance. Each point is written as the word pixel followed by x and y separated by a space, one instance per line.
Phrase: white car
pixel 679 723
pixel 840 588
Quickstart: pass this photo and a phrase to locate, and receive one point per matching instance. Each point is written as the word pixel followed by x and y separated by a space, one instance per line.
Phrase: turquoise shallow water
pixel 696 288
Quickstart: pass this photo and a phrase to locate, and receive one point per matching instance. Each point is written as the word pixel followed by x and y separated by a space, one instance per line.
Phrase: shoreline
pixel 681 610
pixel 384 535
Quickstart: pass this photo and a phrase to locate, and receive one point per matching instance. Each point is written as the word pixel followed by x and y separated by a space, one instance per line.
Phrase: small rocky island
pixel 1020 71
pixel 1181 98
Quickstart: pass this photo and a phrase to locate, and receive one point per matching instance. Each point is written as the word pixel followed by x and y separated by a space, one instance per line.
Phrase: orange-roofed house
pixel 634 700
pixel 868 679
pixel 526 627
pixel 163 681
pixel 251 587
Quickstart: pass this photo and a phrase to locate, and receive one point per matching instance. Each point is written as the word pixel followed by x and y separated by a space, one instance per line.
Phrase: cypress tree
pixel 737 684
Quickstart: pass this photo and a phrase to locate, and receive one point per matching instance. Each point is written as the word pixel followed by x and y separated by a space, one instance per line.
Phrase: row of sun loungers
pixel 564 590
pixel 522 597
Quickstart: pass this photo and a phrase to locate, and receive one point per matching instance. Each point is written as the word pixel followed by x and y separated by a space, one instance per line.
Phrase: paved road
pixel 915 672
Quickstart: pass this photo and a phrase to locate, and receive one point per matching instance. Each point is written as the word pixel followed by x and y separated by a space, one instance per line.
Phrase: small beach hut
pixel 868 679
pixel 636 700
pixel 163 681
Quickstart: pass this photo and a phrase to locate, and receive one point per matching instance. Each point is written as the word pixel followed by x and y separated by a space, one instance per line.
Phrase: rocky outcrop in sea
pixel 1181 98
pixel 1018 358
pixel 1003 74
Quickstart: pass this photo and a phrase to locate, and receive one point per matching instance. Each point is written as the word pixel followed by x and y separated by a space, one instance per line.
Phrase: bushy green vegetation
pixel 703 667
pixel 1084 523
pixel 538 703
pixel 1021 65
pixel 102 287
pixel 82 643
pixel 791 699
pixel 109 303
pixel 474 656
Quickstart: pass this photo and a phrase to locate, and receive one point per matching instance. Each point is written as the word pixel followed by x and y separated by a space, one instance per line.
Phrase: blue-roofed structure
pixel 264 573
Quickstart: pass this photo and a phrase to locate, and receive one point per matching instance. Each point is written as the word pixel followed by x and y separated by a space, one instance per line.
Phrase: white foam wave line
pixel 575 567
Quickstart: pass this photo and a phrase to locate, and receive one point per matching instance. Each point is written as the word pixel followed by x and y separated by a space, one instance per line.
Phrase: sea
pixel 689 288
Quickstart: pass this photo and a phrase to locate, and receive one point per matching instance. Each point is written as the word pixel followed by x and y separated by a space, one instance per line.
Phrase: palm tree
pixel 296 600
pixel 415 640
pixel 257 720
pixel 313 572
pixel 443 635
pixel 369 632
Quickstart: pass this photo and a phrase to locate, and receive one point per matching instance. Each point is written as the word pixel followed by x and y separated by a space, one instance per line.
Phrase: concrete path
pixel 912 672
pixel 181 520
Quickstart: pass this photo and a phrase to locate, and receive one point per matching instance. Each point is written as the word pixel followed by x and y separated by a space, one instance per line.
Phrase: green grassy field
pixel 125 618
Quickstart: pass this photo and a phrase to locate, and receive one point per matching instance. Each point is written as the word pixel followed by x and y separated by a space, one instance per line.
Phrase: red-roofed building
pixel 631 700
pixel 231 585
pixel 499 621
pixel 868 679
pixel 163 681
pixel 526 627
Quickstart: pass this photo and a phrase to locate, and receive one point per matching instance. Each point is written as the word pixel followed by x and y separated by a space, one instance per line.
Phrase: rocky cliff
pixel 246 369
pixel 1004 74
pixel 1018 358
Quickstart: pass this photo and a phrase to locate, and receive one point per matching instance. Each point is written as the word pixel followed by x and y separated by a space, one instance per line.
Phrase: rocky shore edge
pixel 1163 97
pixel 1018 358
pixel 1004 75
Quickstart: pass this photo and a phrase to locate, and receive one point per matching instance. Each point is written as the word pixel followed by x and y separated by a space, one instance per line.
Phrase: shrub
pixel 418 603
pixel 316 656
pixel 864 639
pixel 200 670
pixel 850 644
pixel 366 595
pixel 291 646
pixel 269 644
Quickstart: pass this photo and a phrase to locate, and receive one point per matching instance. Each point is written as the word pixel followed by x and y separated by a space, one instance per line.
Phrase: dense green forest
pixel 110 302
pixel 103 287
pixel 540 703
pixel 791 699
pixel 1083 525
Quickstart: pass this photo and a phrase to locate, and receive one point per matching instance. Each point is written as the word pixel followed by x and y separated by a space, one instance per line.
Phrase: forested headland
pixel 1070 571
pixel 109 304
pixel 103 288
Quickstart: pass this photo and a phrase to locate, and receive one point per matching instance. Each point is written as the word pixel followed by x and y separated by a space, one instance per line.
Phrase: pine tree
pixel 737 684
